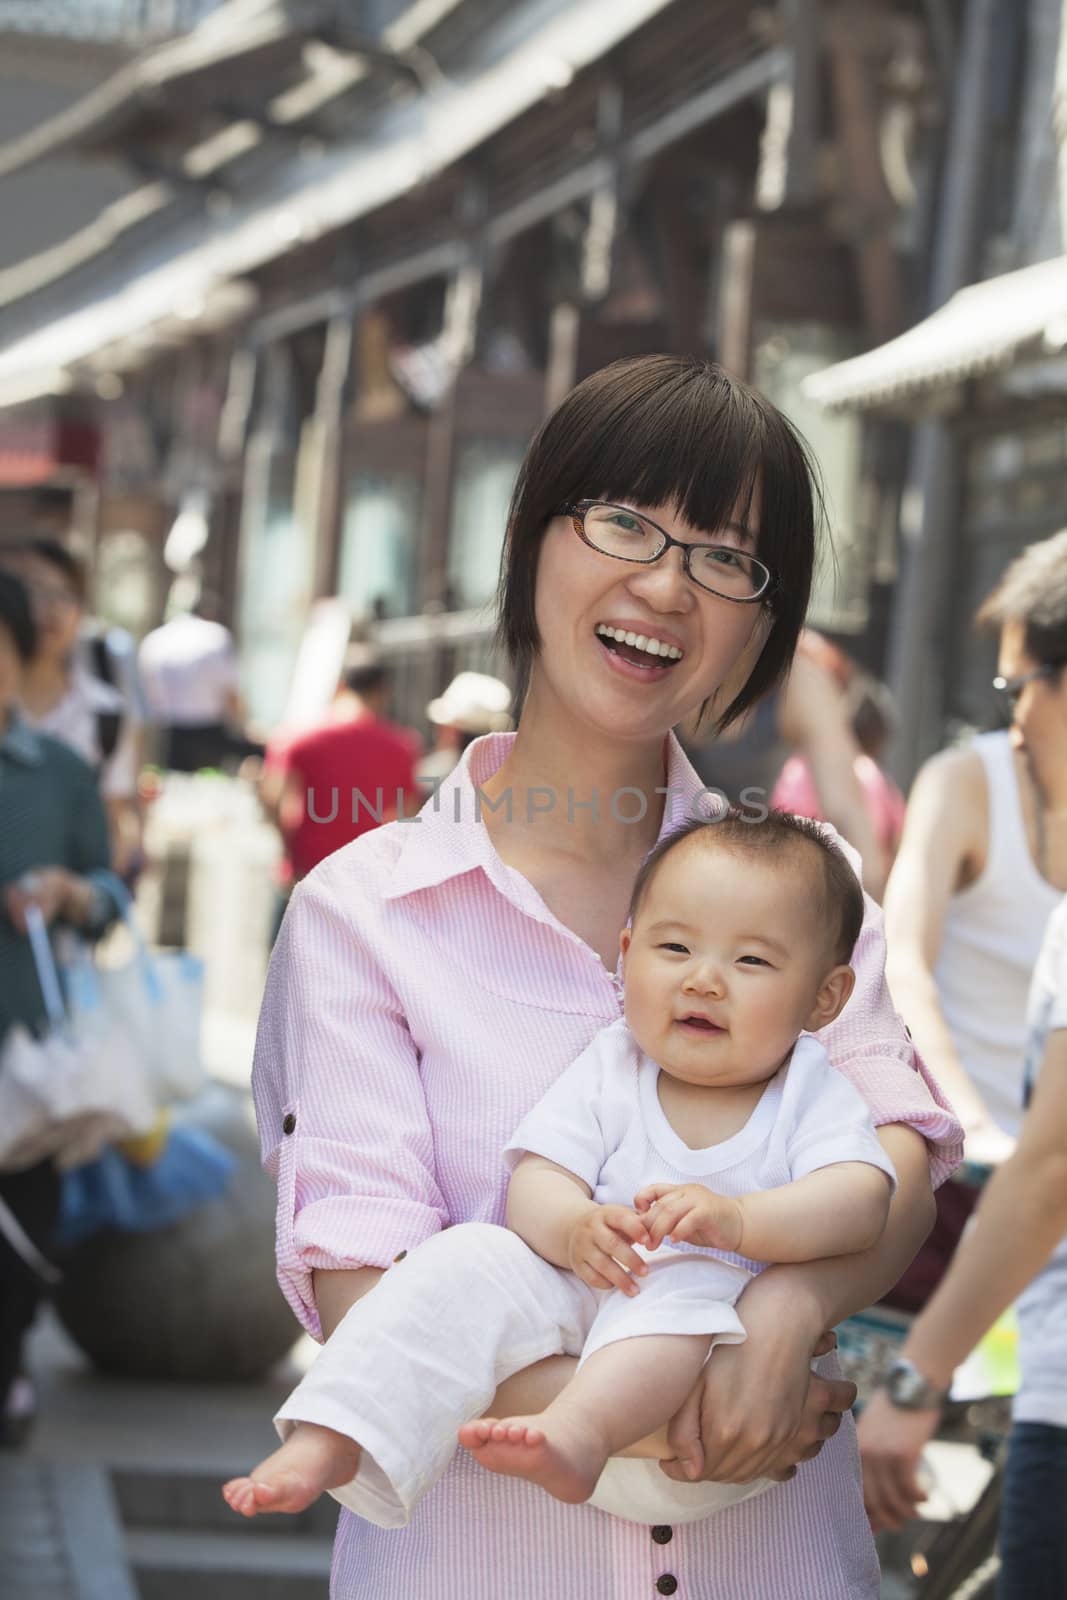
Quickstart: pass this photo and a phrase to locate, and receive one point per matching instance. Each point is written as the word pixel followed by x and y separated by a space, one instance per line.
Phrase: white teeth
pixel 641 641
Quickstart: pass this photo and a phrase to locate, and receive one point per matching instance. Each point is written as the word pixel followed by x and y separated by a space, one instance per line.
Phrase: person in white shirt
pixel 62 695
pixel 190 679
pixel 695 1141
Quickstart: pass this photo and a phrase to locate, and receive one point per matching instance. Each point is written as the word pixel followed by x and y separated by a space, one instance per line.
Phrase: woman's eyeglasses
pixel 1009 689
pixel 720 569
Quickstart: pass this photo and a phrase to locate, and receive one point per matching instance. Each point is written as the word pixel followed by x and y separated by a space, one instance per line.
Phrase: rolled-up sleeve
pixel 870 1044
pixel 339 1100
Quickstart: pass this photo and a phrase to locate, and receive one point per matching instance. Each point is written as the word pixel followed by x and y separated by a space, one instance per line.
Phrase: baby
pixel 688 1145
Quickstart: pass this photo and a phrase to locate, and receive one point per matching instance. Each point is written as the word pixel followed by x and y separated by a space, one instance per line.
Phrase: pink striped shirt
pixel 421 998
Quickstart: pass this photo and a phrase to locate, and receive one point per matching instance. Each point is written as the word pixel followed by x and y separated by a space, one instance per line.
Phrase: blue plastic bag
pixel 113 1192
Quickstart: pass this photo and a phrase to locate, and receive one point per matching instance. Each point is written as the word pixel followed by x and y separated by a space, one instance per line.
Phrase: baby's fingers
pixel 615 1276
pixel 665 1220
pixel 646 1197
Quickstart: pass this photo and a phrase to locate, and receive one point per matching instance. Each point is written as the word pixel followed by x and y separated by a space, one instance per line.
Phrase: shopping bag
pixel 115 1192
pixel 157 997
pixel 67 1094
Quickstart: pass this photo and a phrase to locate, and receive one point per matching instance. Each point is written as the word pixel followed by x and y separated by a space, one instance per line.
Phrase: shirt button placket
pixel 666 1583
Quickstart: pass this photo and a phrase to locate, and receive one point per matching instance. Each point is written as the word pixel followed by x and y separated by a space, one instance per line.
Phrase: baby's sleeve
pixel 567 1125
pixel 829 1121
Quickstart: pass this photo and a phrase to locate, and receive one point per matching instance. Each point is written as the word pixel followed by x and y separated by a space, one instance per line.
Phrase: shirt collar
pixel 448 837
pixel 20 743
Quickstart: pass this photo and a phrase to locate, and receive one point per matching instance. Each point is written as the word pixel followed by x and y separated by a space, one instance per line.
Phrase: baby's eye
pixel 675 949
pixel 755 961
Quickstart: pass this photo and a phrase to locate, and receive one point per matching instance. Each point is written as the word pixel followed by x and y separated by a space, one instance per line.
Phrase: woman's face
pixel 10 672
pixel 57 610
pixel 1039 720
pixel 630 693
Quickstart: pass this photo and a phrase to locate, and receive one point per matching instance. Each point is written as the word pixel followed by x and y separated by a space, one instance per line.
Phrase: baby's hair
pixel 777 832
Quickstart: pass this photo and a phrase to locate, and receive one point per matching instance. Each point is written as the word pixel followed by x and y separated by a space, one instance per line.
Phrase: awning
pixel 983 328
pixel 455 120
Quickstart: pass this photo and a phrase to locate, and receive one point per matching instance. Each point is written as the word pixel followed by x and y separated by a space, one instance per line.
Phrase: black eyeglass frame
pixel 1011 688
pixel 577 510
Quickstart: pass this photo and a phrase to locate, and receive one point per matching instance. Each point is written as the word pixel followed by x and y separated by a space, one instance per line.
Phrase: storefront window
pixel 785 355
pixel 275 587
pixel 485 477
pixel 378 544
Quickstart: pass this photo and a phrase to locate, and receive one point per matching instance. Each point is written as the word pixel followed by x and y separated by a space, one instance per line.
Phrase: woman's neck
pixel 44 683
pixel 567 789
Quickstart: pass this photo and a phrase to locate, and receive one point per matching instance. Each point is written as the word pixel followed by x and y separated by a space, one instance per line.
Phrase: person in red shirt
pixel 352 773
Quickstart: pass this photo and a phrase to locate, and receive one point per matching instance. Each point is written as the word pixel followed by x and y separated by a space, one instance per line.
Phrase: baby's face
pixel 723 966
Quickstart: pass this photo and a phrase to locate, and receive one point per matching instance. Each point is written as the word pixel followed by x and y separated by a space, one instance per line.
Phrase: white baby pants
pixel 427 1348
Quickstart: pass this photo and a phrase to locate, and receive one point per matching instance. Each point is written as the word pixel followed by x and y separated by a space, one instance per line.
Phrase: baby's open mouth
pixel 701 1024
pixel 642 650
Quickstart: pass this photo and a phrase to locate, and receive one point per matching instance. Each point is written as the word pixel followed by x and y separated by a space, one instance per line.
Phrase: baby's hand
pixel 600 1249
pixel 688 1213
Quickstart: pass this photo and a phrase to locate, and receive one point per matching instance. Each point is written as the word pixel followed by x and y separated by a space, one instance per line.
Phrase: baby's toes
pixel 239 1496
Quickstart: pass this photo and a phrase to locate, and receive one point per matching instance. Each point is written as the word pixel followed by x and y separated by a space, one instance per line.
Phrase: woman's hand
pixel 600 1249
pixel 47 888
pixel 891 1445
pixel 758 1409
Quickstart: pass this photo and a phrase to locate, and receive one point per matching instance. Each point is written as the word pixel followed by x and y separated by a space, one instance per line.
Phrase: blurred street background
pixel 286 286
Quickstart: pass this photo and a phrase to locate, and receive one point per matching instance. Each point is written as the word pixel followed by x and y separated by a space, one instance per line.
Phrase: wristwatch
pixel 908 1390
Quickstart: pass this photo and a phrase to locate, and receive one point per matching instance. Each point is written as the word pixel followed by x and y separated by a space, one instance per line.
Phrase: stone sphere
pixel 195 1301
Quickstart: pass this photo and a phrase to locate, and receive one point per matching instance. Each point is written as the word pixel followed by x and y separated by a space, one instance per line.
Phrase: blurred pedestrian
pixel 70 690
pixel 808 714
pixel 191 683
pixel 53 834
pixel 981 866
pixel 982 862
pixel 473 704
pixel 330 784
pixel 1016 1247
pixel 871 716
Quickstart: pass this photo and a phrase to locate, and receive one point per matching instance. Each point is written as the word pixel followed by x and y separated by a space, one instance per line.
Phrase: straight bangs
pixel 662 430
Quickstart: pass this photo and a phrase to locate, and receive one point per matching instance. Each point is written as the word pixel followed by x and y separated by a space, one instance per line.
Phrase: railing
pixel 424 653
pixel 112 20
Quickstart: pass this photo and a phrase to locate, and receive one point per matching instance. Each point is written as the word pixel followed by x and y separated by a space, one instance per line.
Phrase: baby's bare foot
pixel 310 1461
pixel 557 1459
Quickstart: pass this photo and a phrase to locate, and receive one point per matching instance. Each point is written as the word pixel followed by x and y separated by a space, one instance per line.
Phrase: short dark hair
pixel 660 430
pixel 1033 592
pixel 57 555
pixel 16 615
pixel 842 894
pixel 365 677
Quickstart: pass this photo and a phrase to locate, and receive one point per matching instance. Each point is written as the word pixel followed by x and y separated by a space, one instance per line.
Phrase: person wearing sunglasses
pixel 983 861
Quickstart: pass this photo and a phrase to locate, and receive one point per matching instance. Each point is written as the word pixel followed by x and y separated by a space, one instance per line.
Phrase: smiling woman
pixel 384 1108
pixel 663 431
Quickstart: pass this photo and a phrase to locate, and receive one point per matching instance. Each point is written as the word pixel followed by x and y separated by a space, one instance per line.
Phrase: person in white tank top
pixel 983 863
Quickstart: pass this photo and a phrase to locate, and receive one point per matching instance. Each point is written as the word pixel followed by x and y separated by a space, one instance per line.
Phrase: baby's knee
pixel 473 1244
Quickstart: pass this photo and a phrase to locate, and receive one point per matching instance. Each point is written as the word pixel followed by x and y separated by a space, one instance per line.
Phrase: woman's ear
pixel 831 999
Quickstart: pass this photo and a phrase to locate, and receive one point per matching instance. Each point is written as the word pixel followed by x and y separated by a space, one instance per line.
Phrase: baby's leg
pixel 311 1460
pixel 622 1393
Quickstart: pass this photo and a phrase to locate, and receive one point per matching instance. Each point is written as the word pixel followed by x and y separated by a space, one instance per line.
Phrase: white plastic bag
pixel 157 998
pixel 70 1093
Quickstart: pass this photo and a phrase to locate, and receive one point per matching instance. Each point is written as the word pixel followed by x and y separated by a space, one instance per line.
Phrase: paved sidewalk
pixel 116 1496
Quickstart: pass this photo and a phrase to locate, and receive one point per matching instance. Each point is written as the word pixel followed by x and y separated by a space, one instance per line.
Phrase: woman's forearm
pixel 336 1292
pixel 1021 1219
pixel 837 1288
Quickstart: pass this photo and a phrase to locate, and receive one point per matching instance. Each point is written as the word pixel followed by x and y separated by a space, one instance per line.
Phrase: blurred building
pixel 361 248
pixel 970 404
